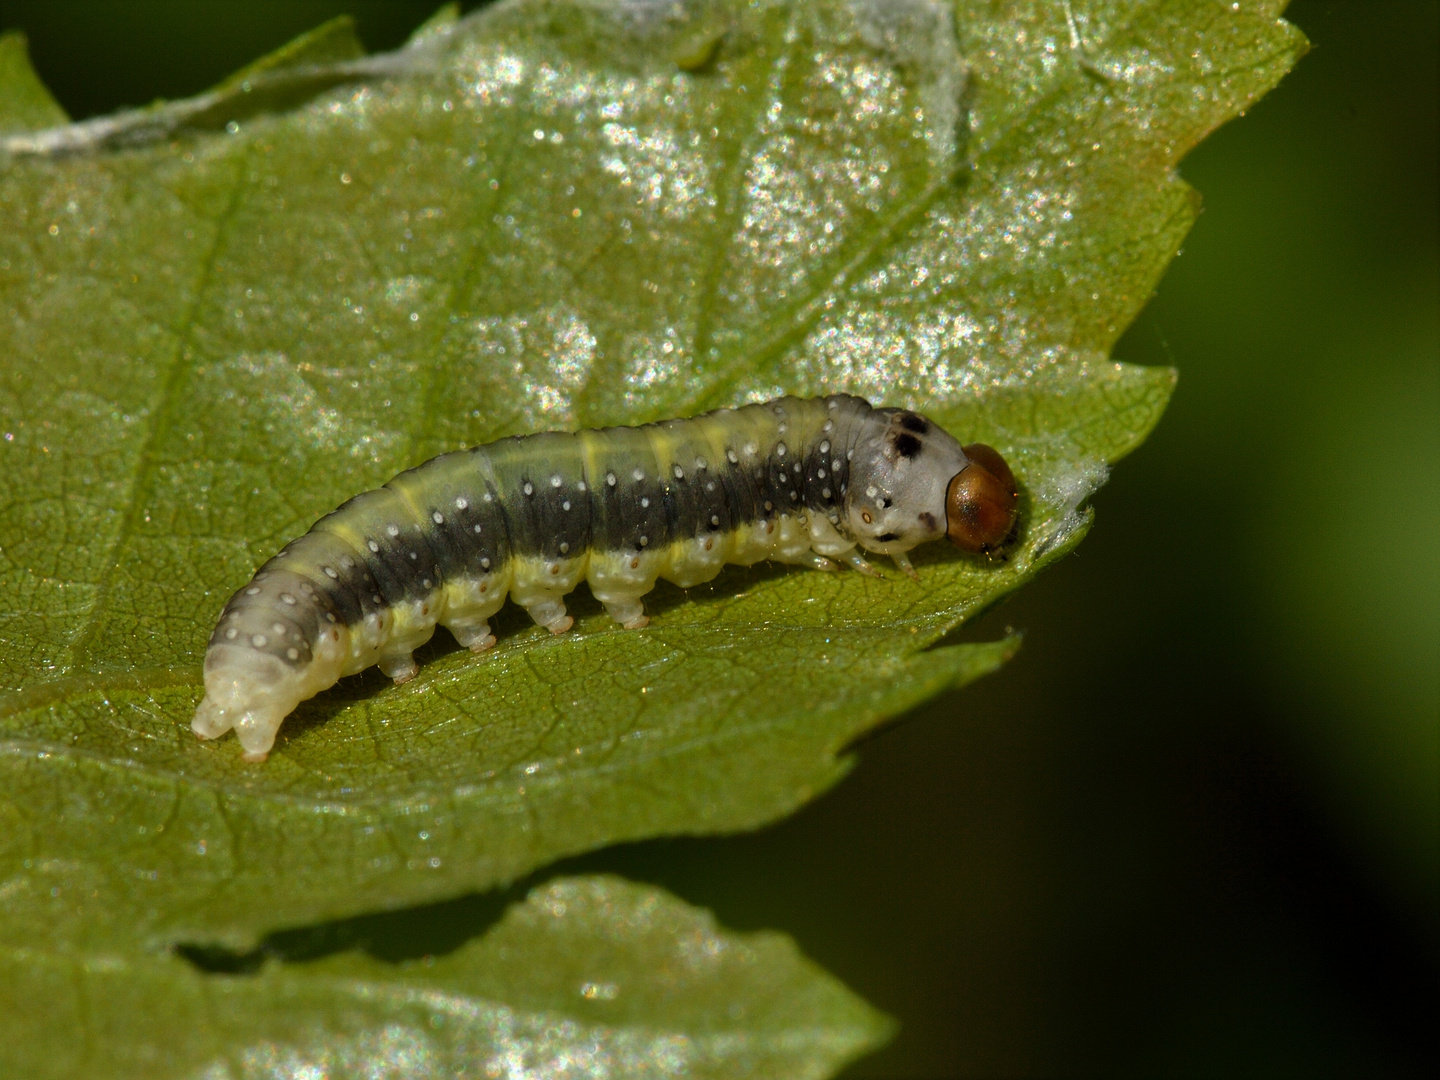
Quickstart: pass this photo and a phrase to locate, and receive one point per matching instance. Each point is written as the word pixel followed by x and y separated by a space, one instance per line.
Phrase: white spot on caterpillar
pixel 715 519
pixel 644 501
pixel 330 572
pixel 700 463
pixel 580 485
pixel 329 616
pixel 488 497
pixel 347 562
pixel 293 654
pixel 769 505
pixel 426 584
pixel 372 545
pixel 639 474
pixel 709 485
pixel 438 518
pixel 870 491
pixel 231 633
pixel 731 456
pixel 781 429
pixel 644 540
pixel 565 505
pixel 377 598
pixel 780 449
pixel 477 528
pixel 393 530
pixel 679 473
pixel 825 446
pixel 258 641
pixel 825 493
pixel 610 478
pixel 828 426
pixel 414 555
pixel 286 598
pixel 485 564
pixel 529 488
pixel 751 449
pixel 462 503
pixel 279 628
pixel 564 547
pixel 253 590
pixel 555 481
pixel 820 474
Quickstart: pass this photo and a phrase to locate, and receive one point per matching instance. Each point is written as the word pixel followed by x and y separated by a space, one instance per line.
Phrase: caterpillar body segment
pixel 812 482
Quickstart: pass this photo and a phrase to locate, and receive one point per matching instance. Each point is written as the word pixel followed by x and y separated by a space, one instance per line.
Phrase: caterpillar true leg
pixel 818 562
pixel 903 562
pixel 855 561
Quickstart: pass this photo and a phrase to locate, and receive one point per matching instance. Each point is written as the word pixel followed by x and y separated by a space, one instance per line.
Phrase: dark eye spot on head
pixel 913 422
pixel 885 538
pixel 906 445
pixel 928 520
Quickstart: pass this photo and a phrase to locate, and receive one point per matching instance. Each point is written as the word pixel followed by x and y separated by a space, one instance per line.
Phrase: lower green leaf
pixel 587 977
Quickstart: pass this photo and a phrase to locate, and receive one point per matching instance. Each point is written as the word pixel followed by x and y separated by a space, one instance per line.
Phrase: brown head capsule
pixel 980 501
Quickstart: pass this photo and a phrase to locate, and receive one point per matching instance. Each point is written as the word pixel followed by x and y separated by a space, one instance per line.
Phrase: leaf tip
pixel 439 24
pixel 333 41
pixel 26 104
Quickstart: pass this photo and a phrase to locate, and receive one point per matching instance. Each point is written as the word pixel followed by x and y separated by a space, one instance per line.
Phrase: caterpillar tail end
pixel 249 693
pixel 255 727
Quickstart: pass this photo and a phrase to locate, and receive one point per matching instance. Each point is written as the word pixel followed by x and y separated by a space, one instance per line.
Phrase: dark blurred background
pixel 1194 828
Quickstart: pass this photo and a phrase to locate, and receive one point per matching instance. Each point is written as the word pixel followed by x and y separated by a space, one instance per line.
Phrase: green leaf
pixel 548 214
pixel 25 104
pixel 588 976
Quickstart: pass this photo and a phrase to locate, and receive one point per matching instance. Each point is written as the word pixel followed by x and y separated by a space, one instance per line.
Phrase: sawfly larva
pixel 806 481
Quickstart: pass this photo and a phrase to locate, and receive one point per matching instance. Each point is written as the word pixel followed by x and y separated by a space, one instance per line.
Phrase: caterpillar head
pixel 912 482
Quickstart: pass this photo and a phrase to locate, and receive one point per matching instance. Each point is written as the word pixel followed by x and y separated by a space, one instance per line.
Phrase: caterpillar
pixel 808 481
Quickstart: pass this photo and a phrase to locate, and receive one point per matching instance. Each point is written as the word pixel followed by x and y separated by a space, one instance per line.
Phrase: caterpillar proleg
pixel 810 481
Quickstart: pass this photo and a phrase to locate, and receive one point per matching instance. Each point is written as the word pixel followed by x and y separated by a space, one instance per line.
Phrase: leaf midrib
pixel 471 792
pixel 138 483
